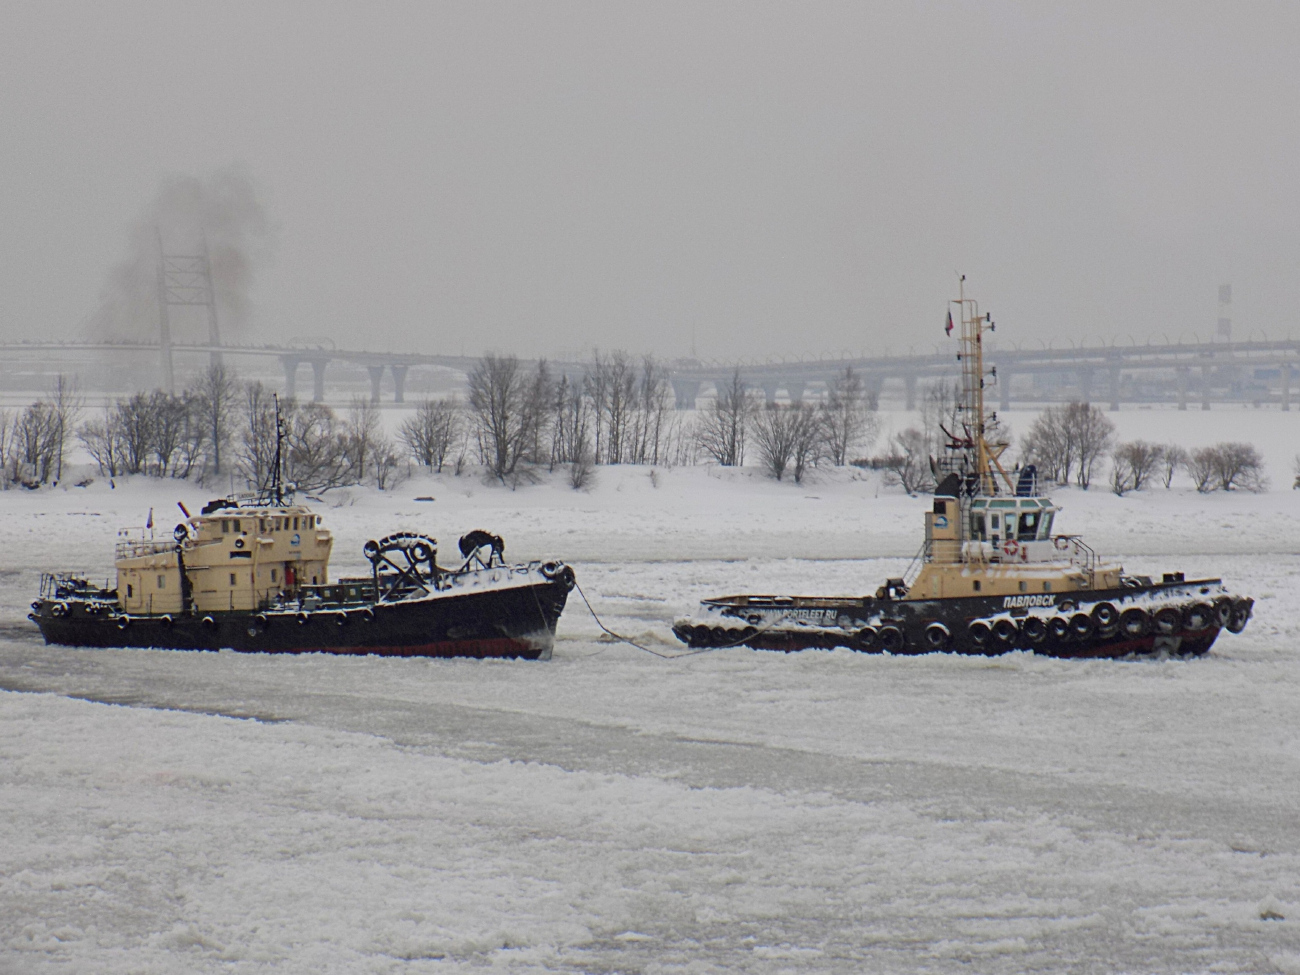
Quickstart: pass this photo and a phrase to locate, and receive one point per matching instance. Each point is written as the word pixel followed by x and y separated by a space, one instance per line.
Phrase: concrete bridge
pixel 1199 372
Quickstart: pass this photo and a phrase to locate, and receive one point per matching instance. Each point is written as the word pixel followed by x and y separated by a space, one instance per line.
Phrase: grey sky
pixel 778 177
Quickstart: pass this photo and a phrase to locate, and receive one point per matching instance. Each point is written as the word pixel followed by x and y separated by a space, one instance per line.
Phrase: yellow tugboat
pixel 252 574
pixel 991 577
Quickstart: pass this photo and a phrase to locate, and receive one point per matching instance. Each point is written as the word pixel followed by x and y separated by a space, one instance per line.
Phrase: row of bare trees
pixel 220 426
pixel 1228 466
pixel 619 412
pixel 788 438
pixel 34 441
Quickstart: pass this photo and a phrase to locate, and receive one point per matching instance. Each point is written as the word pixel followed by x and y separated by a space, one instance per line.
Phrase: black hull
pixel 1180 618
pixel 516 621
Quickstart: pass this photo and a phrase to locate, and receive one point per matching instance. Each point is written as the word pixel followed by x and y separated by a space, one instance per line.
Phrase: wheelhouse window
pixel 162 582
pixel 225 525
pixel 1028 527
pixel 977 526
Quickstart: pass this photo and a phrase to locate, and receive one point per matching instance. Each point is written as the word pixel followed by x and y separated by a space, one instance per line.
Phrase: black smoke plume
pixel 221 213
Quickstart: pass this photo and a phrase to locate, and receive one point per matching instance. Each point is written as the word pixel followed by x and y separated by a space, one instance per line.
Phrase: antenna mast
pixel 986 457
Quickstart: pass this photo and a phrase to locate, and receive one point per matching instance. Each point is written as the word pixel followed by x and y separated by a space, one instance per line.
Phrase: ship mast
pixel 984 458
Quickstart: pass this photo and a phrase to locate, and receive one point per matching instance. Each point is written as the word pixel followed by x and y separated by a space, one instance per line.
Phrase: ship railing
pixel 134 548
pixel 913 569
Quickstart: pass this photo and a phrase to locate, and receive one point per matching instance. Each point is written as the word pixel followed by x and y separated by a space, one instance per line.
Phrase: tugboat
pixel 251 573
pixel 991 577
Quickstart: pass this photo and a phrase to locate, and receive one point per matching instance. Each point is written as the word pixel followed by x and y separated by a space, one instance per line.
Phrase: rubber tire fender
pixel 937 636
pixel 700 636
pixel 1034 629
pixel 1240 615
pixel 1082 626
pixel 1223 610
pixel 1135 622
pixel 979 632
pixel 1106 616
pixel 1005 631
pixel 1058 628
pixel 1167 621
pixel 891 638
pixel 865 639
pixel 1197 617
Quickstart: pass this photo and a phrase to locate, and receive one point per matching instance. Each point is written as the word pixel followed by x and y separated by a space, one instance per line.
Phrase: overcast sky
pixel 757 178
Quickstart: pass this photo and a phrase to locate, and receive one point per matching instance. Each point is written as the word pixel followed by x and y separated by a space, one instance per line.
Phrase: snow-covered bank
pixel 612 811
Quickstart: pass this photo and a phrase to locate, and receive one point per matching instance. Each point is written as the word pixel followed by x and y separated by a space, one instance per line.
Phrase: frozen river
pixel 613 811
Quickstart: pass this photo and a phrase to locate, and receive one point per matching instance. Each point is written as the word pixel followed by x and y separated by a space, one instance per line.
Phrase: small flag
pixel 149 523
pixel 947 329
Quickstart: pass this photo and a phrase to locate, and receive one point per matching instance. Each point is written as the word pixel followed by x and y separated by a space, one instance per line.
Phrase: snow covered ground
pixel 613 811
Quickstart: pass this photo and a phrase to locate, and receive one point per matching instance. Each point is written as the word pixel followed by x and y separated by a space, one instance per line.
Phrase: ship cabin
pixel 1003 546
pixel 233 557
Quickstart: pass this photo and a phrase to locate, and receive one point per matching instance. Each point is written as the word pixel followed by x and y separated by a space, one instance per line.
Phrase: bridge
pixel 1257 371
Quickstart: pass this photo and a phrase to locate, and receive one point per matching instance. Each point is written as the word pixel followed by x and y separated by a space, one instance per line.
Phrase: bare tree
pixel 774 434
pixel 431 432
pixel 848 418
pixel 722 428
pixel 1069 439
pixel 66 404
pixel 385 463
pixel 99 439
pixel 1172 457
pixel 361 435
pixel 315 453
pixel 1134 463
pixel 35 440
pixel 215 398
pixel 907 462
pixel 788 437
pixel 506 413
pixel 1238 466
pixel 1094 433
pixel 1201 464
pixel 6 447
pixel 257 453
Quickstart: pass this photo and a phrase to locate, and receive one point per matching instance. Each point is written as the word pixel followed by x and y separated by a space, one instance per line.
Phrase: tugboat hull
pixel 504 619
pixel 1178 618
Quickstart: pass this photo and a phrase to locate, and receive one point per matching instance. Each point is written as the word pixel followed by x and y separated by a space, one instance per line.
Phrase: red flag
pixel 947 329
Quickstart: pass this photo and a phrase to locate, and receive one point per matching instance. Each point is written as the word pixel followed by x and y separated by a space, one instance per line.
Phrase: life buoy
pixel 1061 543
pixel 1010 547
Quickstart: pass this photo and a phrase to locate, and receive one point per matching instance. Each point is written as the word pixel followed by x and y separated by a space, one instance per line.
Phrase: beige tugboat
pixel 991 576
pixel 252 573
